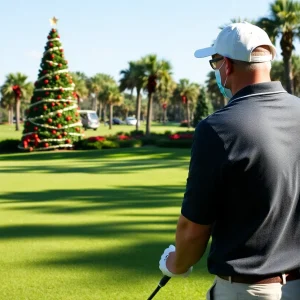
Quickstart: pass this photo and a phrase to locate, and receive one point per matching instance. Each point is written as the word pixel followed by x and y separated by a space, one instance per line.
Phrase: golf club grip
pixel 164 281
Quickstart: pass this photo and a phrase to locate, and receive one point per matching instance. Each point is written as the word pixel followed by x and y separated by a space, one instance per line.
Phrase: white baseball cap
pixel 237 41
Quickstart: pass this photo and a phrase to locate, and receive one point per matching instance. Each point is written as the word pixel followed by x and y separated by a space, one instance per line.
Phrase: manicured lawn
pixel 8 131
pixel 92 224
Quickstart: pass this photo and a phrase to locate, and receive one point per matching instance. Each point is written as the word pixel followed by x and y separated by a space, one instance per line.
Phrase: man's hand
pixel 166 263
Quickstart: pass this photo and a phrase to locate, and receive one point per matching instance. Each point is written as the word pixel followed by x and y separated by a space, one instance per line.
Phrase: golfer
pixel 243 185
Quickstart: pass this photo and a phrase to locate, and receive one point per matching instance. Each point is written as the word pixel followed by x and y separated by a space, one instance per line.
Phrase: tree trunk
pixel 188 113
pixel 287 63
pixel 286 44
pixel 110 115
pixel 17 109
pixel 100 110
pixel 138 109
pixel 149 113
pixel 10 114
pixel 164 115
pixel 104 112
pixel 94 103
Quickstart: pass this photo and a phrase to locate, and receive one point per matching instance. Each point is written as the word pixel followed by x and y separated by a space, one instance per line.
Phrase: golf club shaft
pixel 162 283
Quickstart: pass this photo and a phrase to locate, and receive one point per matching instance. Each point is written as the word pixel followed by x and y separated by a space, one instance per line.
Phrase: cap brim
pixel 209 51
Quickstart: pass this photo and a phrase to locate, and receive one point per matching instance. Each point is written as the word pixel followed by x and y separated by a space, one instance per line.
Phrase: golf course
pixel 92 224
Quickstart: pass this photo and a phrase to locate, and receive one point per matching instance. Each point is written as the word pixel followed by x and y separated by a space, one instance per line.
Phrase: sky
pixel 102 36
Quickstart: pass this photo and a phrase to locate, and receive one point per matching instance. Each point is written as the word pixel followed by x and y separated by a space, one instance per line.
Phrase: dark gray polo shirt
pixel 244 178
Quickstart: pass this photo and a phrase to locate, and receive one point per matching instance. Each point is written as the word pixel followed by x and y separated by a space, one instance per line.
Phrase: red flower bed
pixel 96 139
pixel 124 137
pixel 181 136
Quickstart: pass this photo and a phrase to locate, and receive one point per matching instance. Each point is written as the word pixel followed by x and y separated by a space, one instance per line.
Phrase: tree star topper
pixel 54 21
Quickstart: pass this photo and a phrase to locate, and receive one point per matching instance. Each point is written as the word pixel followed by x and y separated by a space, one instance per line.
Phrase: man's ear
pixel 228 66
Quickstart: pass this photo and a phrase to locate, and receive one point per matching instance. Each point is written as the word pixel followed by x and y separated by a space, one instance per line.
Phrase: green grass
pixel 8 131
pixel 90 225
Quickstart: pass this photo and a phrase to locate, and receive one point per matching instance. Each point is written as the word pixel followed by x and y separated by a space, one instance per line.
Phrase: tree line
pixel 147 90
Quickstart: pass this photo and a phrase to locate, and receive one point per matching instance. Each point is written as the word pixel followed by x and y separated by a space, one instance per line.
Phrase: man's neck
pixel 241 82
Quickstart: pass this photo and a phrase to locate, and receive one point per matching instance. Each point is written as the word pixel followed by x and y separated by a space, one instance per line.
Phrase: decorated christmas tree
pixel 52 119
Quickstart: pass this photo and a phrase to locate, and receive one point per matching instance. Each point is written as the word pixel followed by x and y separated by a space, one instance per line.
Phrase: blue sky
pixel 103 35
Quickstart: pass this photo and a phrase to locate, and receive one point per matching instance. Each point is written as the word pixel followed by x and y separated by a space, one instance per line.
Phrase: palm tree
pixel 283 23
pixel 189 92
pixel 80 80
pixel 134 77
pixel 217 99
pixel 155 71
pixel 111 96
pixel 164 92
pixel 16 87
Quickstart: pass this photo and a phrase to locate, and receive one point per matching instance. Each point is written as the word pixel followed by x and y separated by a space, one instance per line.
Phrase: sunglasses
pixel 213 62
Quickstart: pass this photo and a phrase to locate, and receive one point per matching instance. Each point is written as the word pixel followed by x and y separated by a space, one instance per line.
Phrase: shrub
pixel 9 146
pixel 110 145
pixel 176 143
pixel 133 143
pixel 184 123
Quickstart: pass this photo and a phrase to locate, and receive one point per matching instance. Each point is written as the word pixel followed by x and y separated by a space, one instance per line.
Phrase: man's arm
pixel 191 243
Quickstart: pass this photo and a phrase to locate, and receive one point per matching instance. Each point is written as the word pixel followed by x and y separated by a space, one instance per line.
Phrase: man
pixel 243 185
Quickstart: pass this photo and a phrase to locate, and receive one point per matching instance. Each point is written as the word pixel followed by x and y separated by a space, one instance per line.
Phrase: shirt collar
pixel 259 88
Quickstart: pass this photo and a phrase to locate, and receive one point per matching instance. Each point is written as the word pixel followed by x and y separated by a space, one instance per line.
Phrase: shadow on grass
pixel 100 167
pixel 141 259
pixel 166 153
pixel 85 200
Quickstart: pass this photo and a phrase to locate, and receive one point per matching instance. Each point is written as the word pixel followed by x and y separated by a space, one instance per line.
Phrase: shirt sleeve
pixel 204 184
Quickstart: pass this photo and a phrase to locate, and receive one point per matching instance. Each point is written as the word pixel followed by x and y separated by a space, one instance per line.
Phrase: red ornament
pixel 49 37
pixel 58 96
pixel 53 30
pixel 68 118
pixel 70 81
pixel 38 98
pixel 50 63
pixel 46 145
pixel 25 144
pixel 62 90
pixel 52 56
pixel 59 126
pixel 77 129
pixel 56 77
pixel 60 65
pixel 65 133
pixel 54 131
pixel 51 45
pixel 45 107
pixel 65 104
pixel 49 120
pixel 45 71
pixel 76 114
pixel 46 81
pixel 35 128
pixel 59 136
pixel 47 93
pixel 30 149
pixel 68 141
pixel 36 136
pixel 59 115
pixel 61 50
pixel 58 36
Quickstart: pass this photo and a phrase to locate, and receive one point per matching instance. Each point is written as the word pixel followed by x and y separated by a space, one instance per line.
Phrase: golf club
pixel 162 283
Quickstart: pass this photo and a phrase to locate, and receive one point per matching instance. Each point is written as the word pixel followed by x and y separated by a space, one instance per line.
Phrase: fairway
pixel 92 224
